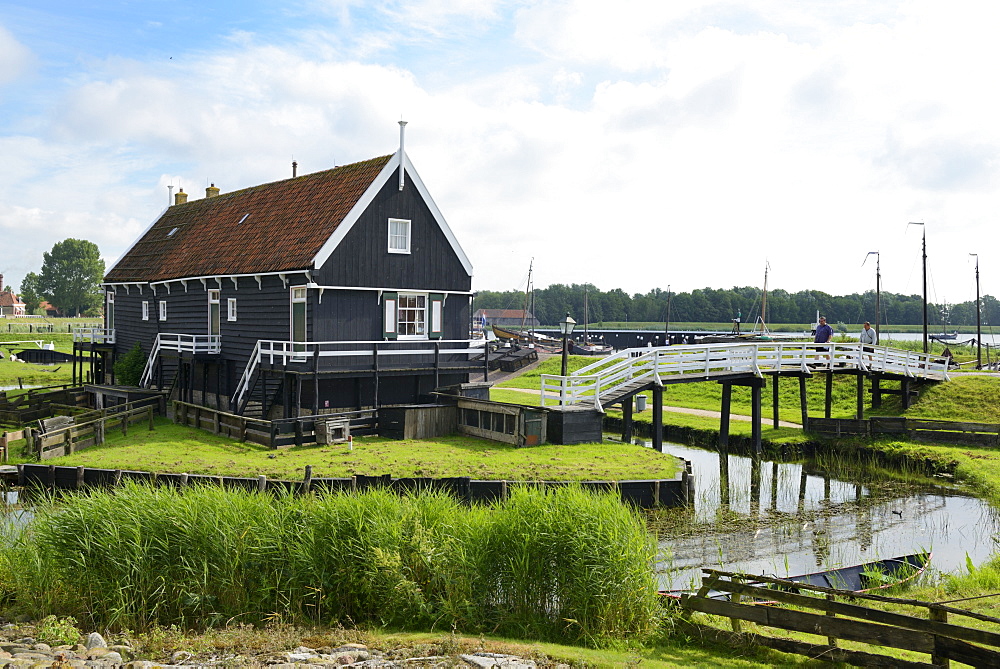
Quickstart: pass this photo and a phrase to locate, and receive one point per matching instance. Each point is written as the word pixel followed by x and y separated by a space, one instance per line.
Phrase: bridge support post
pixel 876 393
pixel 658 418
pixel 803 403
pixel 829 395
pixel 756 413
pixel 861 397
pixel 775 420
pixel 627 421
pixel 727 396
pixel 904 387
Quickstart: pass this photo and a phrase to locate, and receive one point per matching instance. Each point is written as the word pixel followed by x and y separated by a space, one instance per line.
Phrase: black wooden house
pixel 341 289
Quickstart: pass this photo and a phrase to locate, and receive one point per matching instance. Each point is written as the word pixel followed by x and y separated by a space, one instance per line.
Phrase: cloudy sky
pixel 633 144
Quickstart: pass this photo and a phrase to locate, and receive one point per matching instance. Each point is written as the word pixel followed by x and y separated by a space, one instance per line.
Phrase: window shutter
pixel 436 316
pixel 389 302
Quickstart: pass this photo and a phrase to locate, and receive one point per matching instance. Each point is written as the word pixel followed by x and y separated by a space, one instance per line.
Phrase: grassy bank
pixel 178 449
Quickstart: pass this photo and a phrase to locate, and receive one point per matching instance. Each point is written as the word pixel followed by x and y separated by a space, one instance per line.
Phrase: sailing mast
pixel 528 294
pixel 763 303
pixel 586 314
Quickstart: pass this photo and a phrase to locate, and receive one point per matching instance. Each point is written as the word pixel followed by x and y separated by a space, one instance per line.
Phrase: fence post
pixel 68 441
pixel 261 483
pixel 307 481
pixel 937 657
pixel 831 640
pixel 735 598
pixel 79 477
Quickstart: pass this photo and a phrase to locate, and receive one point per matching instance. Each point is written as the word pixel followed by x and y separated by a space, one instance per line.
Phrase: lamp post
pixel 979 322
pixel 878 293
pixel 566 326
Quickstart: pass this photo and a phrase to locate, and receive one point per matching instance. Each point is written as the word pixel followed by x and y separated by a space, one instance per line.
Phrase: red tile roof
pixel 273 227
pixel 9 300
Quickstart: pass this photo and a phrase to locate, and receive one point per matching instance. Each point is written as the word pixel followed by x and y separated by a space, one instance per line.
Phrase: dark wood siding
pixel 363 259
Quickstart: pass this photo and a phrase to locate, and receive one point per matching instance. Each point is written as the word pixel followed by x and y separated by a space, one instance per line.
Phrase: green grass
pixel 174 448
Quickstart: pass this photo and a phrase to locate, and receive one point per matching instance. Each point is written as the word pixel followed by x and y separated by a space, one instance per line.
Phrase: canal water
pixel 763 517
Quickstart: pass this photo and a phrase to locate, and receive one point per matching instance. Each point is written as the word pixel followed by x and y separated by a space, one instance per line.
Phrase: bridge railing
pixel 639 366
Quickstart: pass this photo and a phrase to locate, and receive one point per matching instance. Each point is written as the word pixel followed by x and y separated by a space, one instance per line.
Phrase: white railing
pixel 600 379
pixel 181 343
pixel 406 353
pixel 94 335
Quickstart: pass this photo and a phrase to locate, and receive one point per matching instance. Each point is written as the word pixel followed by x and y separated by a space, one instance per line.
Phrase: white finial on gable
pixel 402 131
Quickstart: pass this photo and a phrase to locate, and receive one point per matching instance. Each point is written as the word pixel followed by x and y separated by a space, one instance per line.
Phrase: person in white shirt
pixel 868 337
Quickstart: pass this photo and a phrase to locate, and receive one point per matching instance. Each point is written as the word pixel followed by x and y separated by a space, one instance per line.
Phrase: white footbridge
pixel 611 379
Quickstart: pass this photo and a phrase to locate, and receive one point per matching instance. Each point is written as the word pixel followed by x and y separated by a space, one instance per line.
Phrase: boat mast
pixel 763 300
pixel 924 228
pixel 586 314
pixel 527 297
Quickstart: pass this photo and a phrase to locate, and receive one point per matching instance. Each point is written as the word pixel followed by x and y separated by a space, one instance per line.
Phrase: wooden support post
pixel 755 479
pixel 775 420
pixel 627 421
pixel 658 418
pixel 937 658
pixel 79 477
pixel 756 414
pixel 261 483
pixel 307 481
pixel 904 388
pixel 829 395
pixel 315 384
pixel 727 397
pixel 876 393
pixel 724 478
pixel 437 365
pixel 861 397
pixel 831 640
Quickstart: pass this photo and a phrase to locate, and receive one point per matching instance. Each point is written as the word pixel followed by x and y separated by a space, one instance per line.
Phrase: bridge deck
pixel 627 372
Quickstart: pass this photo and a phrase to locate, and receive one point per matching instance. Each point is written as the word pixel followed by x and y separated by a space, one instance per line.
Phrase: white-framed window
pixel 411 316
pixel 145 310
pixel 163 310
pixel 232 309
pixel 399 235
pixel 109 311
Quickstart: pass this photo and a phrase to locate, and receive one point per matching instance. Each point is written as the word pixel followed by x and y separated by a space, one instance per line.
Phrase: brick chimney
pixel 1 283
pixel 212 191
pixel 180 197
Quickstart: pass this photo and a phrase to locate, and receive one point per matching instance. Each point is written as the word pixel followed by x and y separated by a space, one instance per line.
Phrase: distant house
pixel 10 304
pixel 340 289
pixel 49 309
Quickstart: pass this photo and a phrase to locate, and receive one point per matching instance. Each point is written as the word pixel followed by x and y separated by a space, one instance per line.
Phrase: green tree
pixel 30 292
pixel 71 274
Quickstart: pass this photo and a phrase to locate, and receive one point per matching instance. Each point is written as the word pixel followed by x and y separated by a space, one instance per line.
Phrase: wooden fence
pixel 283 433
pixel 840 619
pixel 75 437
pixel 953 432
pixel 6 438
pixel 39 403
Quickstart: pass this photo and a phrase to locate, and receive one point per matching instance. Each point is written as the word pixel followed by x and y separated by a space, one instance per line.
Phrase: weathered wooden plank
pixel 960 651
pixel 869 614
pixel 810 623
pixel 963 426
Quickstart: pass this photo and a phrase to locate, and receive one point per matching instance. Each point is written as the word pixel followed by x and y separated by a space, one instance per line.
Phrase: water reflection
pixel 767 517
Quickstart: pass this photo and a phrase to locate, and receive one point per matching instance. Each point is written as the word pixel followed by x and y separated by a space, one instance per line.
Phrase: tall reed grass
pixel 563 565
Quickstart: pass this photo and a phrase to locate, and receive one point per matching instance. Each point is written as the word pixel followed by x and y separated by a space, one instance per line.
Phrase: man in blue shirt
pixel 824 333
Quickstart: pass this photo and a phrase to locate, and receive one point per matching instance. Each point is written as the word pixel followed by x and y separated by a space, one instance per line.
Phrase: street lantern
pixel 566 326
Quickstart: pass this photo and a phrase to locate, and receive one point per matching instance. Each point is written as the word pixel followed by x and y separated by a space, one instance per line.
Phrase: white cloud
pixel 15 58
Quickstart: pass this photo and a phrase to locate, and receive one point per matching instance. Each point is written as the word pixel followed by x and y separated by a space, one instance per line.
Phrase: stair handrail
pixel 248 372
pixel 147 371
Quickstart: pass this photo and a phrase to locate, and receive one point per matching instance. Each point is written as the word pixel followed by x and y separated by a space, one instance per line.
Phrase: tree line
pixel 720 305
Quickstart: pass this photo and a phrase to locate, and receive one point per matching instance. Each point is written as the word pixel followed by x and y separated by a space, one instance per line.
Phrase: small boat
pixel 865 577
pixel 592 348
pixel 944 336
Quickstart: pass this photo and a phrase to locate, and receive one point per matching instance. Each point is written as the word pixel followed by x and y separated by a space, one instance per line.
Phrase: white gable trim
pixel 369 195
